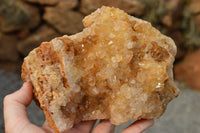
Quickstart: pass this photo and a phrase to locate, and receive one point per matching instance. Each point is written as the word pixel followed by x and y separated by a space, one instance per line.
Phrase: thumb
pixel 21 97
pixel 15 115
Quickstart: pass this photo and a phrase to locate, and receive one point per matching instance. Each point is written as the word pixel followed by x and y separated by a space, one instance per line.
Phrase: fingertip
pixel 104 126
pixel 27 86
pixel 23 96
pixel 151 122
pixel 139 126
pixel 84 126
pixel 146 123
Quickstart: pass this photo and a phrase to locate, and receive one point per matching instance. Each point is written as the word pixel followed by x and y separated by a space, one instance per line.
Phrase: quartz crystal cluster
pixel 118 68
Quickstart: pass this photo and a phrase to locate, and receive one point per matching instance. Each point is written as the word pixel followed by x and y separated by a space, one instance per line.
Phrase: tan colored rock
pixel 8 47
pixel 173 4
pixel 188 70
pixel 167 20
pixel 194 6
pixel 63 19
pixel 118 68
pixel 173 13
pixel 68 4
pixel 44 33
pixel 17 15
pixel 88 6
pixel 197 19
pixel 135 7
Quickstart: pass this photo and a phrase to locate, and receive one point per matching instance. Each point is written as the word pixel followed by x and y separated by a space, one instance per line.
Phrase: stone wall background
pixel 24 24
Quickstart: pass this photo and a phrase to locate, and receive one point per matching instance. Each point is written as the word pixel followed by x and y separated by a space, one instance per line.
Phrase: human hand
pixel 16 119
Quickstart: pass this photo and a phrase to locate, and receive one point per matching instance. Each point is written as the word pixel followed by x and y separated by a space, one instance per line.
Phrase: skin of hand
pixel 16 118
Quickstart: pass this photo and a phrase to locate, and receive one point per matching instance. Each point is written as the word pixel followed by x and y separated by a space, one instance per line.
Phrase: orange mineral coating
pixel 118 68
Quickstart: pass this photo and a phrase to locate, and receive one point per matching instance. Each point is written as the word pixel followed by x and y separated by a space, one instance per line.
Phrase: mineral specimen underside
pixel 118 68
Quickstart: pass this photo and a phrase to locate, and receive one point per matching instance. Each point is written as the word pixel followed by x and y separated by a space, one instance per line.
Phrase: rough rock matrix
pixel 118 68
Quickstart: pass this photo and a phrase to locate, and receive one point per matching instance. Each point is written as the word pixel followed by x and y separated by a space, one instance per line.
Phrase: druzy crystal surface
pixel 118 68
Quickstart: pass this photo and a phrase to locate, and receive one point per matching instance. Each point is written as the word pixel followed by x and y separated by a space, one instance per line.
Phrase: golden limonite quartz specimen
pixel 118 68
